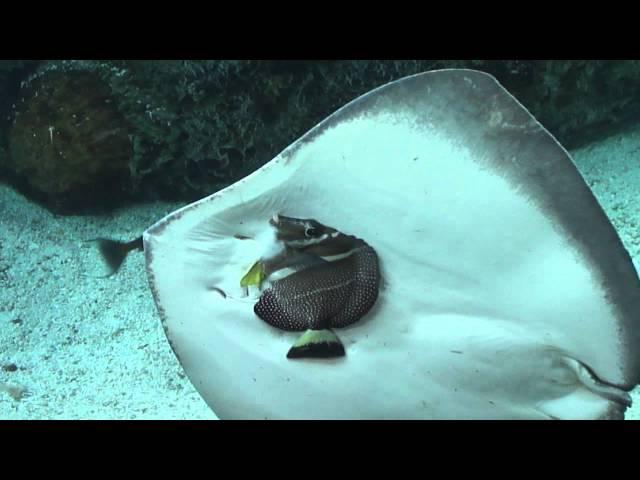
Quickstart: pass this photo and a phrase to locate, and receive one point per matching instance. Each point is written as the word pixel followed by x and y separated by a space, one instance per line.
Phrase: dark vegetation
pixel 90 135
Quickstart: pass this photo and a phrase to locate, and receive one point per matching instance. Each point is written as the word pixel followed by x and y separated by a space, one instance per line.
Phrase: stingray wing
pixel 508 293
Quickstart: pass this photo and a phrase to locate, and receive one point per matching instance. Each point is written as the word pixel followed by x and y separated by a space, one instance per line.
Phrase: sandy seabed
pixel 75 346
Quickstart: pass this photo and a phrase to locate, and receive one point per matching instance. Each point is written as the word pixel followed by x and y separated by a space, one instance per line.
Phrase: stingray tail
pixel 317 344
pixel 114 252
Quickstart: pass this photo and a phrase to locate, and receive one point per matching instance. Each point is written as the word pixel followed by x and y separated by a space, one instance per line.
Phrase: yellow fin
pixel 255 276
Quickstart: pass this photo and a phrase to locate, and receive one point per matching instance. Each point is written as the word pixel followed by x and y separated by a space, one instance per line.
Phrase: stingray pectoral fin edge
pixel 317 344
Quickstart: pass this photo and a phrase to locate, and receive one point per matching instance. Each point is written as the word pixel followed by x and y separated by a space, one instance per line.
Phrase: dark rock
pixel 67 139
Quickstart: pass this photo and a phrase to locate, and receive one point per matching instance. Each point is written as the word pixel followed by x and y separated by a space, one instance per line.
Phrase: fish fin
pixel 114 252
pixel 317 344
pixel 263 269
pixel 255 275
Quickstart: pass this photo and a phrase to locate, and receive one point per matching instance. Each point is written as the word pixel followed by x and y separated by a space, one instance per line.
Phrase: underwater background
pixel 106 148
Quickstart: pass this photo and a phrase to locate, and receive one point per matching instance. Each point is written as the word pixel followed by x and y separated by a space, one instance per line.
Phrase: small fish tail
pixel 317 344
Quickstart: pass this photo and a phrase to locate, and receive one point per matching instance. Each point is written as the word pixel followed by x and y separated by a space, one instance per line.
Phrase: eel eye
pixel 310 232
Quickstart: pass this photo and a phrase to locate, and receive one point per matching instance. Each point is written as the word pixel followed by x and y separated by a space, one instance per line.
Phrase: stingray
pixel 506 293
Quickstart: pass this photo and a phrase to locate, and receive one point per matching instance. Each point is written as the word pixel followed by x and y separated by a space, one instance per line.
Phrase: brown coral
pixel 67 137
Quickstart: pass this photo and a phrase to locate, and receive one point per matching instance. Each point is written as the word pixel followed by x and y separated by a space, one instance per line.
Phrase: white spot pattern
pixel 332 295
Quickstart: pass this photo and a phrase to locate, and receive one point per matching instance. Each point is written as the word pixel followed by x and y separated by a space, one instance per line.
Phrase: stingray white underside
pixel 486 310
